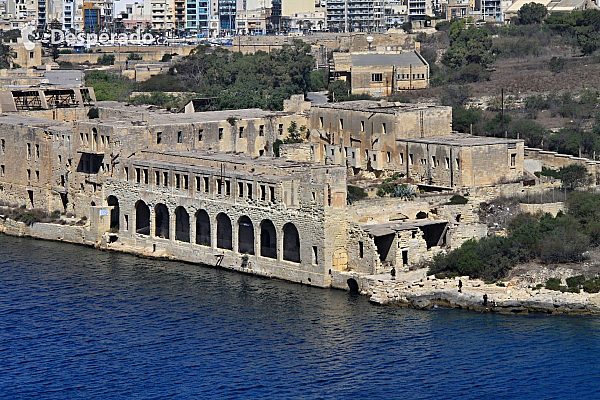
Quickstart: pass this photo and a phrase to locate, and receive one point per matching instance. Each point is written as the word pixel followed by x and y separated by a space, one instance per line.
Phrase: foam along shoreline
pixel 428 292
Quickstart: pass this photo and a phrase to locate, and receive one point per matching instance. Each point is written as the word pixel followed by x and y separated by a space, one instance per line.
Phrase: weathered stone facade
pixel 205 187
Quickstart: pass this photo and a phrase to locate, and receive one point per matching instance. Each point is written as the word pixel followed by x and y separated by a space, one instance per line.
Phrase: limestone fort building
pixel 206 187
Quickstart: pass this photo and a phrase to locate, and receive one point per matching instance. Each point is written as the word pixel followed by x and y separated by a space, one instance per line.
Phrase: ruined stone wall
pixel 362 80
pixel 554 160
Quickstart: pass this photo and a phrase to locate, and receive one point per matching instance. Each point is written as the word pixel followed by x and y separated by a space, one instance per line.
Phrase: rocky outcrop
pixel 429 292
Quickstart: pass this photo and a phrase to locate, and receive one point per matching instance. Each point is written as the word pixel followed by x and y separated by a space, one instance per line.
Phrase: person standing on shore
pixel 459 286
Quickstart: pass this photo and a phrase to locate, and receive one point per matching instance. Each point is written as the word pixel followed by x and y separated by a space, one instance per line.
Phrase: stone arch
pixel 113 202
pixel 202 228
pixel 182 225
pixel 268 239
pixel 352 285
pixel 161 217
pixel 224 232
pixel 142 218
pixel 291 243
pixel 245 235
pixel 421 215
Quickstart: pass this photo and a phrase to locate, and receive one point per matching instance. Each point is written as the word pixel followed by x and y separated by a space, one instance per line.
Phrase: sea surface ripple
pixel 77 323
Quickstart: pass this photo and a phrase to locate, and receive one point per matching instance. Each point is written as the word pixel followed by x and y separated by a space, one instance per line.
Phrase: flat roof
pixel 235 158
pixel 154 116
pixel 20 119
pixel 392 227
pixel 462 140
pixel 378 106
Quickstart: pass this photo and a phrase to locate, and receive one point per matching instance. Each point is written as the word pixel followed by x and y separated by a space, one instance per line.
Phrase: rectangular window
pixel 241 135
pixel 157 178
pixel 2 146
pixel 28 174
pixel 145 176
pixel 389 156
pixel 102 139
pixel 240 189
pixel 138 175
pixel 177 181
pixel 198 185
pixel 433 161
pixel 228 188
pixel 361 250
pixel 37 151
pixel 263 192
pixel 219 186
pixel 158 137
pixel 272 194
pixel 179 137
pixel 2 170
pixel 513 159
pixel 200 135
pixel 206 185
pixel 315 259
pixel 410 159
pixel 261 130
pixel 457 163
pixel 341 123
pixel 29 151
pixel 250 191
pixel 37 176
pixel 320 122
pixel 186 184
pixel 376 77
pixel 220 133
pixel 401 158
pixel 107 140
pixel 447 163
pixel 62 180
pixel 81 137
pixel 280 129
pixel 165 179
pixel 126 173
pixel 383 128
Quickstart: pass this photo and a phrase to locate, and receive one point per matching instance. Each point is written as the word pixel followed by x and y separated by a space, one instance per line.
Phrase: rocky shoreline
pixel 428 292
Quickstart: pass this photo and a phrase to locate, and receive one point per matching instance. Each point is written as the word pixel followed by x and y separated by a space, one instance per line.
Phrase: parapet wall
pixel 554 160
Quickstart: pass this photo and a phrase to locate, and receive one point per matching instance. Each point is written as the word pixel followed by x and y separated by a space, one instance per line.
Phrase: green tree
pixel 532 13
pixel 464 118
pixel 407 27
pixel 6 56
pixel 468 46
pixel 574 176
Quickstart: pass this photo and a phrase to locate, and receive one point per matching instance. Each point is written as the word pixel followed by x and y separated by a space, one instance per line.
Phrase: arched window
pixel 142 218
pixel 268 239
pixel 291 243
pixel 182 225
pixel 161 227
pixel 245 235
pixel 224 235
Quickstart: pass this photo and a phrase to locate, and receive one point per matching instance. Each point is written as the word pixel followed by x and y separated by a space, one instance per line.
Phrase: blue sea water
pixel 77 323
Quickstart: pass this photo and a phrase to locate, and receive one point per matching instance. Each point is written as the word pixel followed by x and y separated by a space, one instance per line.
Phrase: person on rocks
pixel 485 299
pixel 459 286
pixel 393 273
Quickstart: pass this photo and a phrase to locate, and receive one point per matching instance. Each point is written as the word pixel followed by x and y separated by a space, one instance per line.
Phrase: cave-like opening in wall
pixel 268 239
pixel 142 218
pixel 182 225
pixel 113 202
pixel 224 233
pixel 291 243
pixel 161 227
pixel 202 228
pixel 245 235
